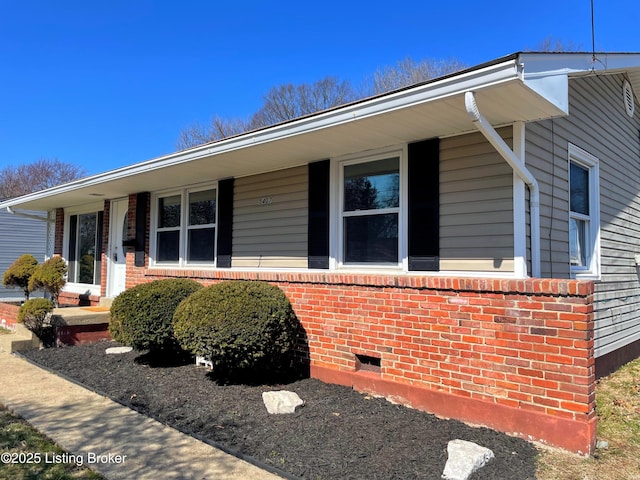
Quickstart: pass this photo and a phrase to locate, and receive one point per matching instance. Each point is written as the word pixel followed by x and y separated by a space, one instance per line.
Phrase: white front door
pixel 116 255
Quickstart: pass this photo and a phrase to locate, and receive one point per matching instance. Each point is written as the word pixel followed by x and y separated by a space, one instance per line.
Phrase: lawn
pixel 28 455
pixel 618 409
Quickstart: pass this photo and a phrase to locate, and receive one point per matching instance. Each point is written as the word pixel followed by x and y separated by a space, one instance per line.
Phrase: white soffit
pixel 425 111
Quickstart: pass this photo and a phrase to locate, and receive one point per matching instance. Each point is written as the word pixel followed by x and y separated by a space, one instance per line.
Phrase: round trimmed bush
pixel 35 309
pixel 241 326
pixel 141 317
pixel 35 314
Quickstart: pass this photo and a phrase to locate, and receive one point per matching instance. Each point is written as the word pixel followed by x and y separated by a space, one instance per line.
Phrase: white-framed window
pixel 584 214
pixel 184 227
pixel 371 211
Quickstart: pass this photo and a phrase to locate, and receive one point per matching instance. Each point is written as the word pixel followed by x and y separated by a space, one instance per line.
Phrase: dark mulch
pixel 338 434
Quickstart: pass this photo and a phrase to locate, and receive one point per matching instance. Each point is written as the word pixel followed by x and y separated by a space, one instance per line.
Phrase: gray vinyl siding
pixel 476 205
pixel 270 213
pixel 546 154
pixel 19 235
pixel 599 125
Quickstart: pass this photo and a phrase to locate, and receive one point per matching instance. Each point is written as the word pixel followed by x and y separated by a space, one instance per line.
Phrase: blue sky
pixel 107 84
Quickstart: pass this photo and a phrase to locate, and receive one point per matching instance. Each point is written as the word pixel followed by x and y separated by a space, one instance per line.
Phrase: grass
pixel 618 410
pixel 4 331
pixel 25 444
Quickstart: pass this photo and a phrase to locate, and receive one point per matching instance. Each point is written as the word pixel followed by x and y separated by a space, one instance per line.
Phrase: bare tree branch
pixel 42 174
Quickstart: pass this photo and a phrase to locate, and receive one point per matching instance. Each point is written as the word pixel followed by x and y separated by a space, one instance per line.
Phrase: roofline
pixel 536 69
pixel 496 71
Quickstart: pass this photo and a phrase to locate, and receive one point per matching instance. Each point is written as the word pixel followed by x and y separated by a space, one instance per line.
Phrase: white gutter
pixel 518 167
pixel 29 215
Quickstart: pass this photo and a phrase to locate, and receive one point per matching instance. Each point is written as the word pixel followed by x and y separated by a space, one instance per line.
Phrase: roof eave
pixel 497 74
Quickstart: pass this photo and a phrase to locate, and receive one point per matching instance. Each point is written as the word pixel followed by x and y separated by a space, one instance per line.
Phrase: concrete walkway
pixel 119 443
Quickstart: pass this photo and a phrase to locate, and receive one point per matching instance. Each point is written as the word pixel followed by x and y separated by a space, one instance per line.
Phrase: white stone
pixel 281 401
pixel 117 350
pixel 203 362
pixel 465 458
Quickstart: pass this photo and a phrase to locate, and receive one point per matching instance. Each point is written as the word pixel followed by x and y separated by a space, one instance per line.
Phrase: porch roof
pixel 520 87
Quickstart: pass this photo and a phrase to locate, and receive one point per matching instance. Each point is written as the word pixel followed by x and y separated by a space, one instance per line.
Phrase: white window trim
pixel 183 229
pixel 336 240
pixel 75 287
pixel 590 162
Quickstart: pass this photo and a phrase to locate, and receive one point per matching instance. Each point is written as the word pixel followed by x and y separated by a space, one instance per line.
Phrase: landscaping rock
pixel 204 362
pixel 465 458
pixel 281 401
pixel 117 350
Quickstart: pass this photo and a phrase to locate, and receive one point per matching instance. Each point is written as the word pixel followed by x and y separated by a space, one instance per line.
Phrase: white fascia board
pixel 476 79
pixel 548 73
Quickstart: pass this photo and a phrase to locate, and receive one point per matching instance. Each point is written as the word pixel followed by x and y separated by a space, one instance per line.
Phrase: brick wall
pixel 106 222
pixel 514 355
pixel 8 315
pixel 58 238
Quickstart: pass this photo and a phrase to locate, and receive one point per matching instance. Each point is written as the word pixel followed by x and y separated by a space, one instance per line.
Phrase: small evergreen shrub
pixel 35 314
pixel 141 317
pixel 245 328
pixel 50 276
pixel 19 273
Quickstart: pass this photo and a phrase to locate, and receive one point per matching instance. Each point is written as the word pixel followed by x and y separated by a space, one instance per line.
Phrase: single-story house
pixel 467 245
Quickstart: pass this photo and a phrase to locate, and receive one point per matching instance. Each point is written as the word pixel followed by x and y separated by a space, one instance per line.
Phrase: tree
pixel 550 44
pixel 42 174
pixel 409 72
pixel 19 273
pixel 219 128
pixel 288 101
pixel 50 276
pixel 280 104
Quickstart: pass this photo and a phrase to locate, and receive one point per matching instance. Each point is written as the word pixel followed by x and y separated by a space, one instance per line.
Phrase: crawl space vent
pixel 627 96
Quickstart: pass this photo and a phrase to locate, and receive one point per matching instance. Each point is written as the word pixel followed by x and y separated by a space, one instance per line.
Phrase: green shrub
pixel 19 273
pixel 50 276
pixel 141 317
pixel 243 327
pixel 35 314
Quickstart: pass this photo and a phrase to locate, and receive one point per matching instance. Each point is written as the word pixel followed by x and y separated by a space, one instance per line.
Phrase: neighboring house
pixel 467 245
pixel 20 235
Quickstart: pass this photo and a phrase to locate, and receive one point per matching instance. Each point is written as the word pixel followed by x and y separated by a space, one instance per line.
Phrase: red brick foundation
pixel 71 299
pixel 9 315
pixel 79 334
pixel 514 355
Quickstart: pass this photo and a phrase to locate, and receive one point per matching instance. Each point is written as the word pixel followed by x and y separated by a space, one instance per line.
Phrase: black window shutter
pixel 142 203
pixel 424 205
pixel 318 226
pixel 225 223
pixel 73 233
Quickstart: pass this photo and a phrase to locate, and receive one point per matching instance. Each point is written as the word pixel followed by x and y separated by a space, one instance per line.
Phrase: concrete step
pixel 19 340
pixel 73 316
pixel 106 302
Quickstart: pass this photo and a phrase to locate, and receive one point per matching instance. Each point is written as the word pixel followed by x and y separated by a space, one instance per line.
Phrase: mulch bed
pixel 338 434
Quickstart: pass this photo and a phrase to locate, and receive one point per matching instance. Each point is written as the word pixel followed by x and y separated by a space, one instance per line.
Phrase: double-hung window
pixel 584 213
pixel 370 211
pixel 185 227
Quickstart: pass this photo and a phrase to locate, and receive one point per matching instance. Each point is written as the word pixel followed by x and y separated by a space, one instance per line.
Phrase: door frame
pixel 114 268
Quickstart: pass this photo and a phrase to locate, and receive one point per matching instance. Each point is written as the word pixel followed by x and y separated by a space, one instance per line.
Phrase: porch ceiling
pixel 433 110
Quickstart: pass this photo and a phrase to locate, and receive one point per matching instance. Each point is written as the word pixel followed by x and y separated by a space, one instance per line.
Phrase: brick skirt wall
pixel 8 315
pixel 514 355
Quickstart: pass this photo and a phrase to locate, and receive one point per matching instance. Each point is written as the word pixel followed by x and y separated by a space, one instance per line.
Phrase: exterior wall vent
pixel 627 97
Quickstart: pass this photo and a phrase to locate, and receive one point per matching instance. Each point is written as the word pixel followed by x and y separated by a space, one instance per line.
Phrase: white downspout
pixel 519 168
pixel 29 215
